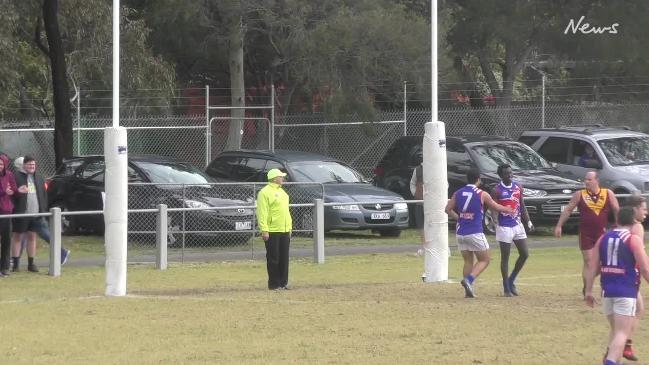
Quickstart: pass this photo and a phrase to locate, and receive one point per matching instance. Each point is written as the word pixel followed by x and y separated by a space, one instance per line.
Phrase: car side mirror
pixel 133 178
pixel 593 164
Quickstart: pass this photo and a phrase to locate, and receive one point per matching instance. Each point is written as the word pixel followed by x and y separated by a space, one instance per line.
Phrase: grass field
pixel 353 309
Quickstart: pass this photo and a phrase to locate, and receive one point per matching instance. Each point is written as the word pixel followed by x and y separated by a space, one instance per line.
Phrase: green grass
pixel 353 309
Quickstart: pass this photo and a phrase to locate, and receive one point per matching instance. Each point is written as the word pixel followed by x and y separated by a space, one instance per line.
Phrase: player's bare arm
pixel 615 205
pixel 489 202
pixel 640 256
pixel 572 204
pixel 450 208
pixel 524 214
pixel 494 214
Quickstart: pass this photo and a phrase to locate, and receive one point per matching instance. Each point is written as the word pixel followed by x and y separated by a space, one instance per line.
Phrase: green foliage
pixel 86 31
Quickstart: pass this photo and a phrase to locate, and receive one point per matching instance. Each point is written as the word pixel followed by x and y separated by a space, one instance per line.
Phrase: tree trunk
pixel 237 84
pixel 63 138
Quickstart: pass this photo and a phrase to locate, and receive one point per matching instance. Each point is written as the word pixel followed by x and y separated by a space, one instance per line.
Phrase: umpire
pixel 275 224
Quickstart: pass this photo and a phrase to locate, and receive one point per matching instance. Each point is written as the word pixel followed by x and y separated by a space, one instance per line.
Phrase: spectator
pixel 41 226
pixel 417 191
pixel 588 158
pixel 275 224
pixel 31 198
pixel 7 190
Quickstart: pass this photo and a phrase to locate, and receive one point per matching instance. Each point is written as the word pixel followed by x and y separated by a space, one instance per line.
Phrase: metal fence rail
pixel 160 245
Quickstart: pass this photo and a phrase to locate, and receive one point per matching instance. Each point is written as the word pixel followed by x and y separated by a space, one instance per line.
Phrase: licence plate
pixel 380 215
pixel 563 207
pixel 240 226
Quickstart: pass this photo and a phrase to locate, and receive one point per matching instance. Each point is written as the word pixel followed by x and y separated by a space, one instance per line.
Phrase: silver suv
pixel 620 155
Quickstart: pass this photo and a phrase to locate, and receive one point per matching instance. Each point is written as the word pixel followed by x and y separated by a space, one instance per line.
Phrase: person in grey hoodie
pixel 41 226
pixel 7 189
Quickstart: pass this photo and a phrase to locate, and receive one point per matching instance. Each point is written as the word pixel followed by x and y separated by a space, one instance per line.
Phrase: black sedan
pixel 78 185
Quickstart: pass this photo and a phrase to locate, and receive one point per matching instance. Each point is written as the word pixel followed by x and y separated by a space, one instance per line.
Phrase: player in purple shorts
pixel 509 227
pixel 621 259
pixel 466 206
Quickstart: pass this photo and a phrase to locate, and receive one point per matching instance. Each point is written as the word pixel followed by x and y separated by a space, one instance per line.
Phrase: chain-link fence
pixel 361 143
pixel 221 216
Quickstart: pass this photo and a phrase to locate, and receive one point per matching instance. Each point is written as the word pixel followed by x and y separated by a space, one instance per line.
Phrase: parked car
pixel 620 156
pixel 340 183
pixel 486 153
pixel 78 185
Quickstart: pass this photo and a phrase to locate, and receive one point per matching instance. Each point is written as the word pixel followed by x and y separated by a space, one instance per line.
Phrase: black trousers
pixel 5 244
pixel 277 259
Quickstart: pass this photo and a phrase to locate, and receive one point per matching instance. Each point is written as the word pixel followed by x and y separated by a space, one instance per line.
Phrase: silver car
pixel 620 155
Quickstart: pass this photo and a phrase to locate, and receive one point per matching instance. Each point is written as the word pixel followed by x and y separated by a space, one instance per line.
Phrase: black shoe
pixel 4 273
pixel 285 287
pixel 468 289
pixel 32 268
pixel 512 289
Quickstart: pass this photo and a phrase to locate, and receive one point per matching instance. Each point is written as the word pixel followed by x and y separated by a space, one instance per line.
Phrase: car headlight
pixel 345 207
pixel 196 204
pixel 401 206
pixel 533 193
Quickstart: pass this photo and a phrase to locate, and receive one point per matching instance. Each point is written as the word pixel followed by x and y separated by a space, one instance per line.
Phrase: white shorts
pixel 619 306
pixel 509 234
pixel 472 242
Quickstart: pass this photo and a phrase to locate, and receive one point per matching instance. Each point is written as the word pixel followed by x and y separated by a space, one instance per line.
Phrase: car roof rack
pixel 589 128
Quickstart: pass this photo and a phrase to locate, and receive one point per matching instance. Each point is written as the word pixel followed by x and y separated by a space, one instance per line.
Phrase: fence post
pixel 55 242
pixel 318 231
pixel 161 238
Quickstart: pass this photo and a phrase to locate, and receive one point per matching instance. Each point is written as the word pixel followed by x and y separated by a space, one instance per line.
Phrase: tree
pixel 62 119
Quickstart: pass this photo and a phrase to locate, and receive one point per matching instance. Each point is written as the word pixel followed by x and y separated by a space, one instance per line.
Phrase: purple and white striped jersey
pixel 468 205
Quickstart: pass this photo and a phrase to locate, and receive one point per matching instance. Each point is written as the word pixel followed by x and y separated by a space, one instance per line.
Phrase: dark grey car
pixel 387 214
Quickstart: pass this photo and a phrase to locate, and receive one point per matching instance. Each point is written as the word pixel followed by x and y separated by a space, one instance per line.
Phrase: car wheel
pixel 394 232
pixel 68 224
pixel 488 222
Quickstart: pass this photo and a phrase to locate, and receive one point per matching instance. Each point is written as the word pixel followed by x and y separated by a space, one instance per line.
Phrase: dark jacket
pixel 20 199
pixel 6 179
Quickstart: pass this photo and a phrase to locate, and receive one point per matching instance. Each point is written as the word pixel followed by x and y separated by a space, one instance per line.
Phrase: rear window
pixel 519 156
pixel 69 167
pixel 528 140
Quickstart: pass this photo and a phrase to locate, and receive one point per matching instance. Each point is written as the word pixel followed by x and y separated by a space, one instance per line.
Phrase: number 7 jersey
pixel 468 206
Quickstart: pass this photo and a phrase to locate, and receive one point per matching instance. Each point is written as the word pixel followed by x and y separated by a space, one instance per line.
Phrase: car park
pixel 78 185
pixel 547 190
pixel 362 205
pixel 619 155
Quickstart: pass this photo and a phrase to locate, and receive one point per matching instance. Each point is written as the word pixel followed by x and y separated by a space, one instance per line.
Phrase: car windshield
pixel 626 150
pixel 324 172
pixel 173 173
pixel 518 156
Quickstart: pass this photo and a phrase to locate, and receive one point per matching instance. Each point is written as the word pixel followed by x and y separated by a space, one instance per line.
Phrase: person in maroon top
pixel 7 189
pixel 595 205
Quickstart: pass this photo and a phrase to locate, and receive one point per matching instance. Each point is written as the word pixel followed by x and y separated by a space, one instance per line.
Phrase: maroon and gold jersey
pixel 594 210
